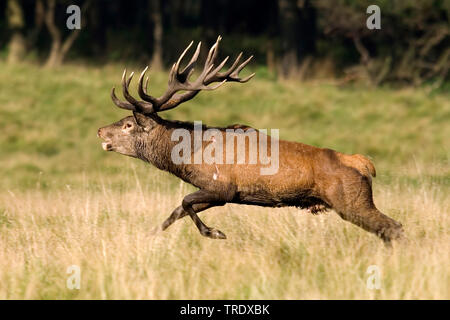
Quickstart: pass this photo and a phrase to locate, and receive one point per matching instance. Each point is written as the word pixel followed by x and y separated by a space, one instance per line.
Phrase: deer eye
pixel 128 125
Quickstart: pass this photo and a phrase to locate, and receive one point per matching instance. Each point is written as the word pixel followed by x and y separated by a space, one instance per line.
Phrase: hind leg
pixel 374 221
pixel 350 194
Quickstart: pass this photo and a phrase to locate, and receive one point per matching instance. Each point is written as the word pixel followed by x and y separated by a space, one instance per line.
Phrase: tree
pixel 16 23
pixel 297 29
pixel 59 48
pixel 411 47
pixel 156 18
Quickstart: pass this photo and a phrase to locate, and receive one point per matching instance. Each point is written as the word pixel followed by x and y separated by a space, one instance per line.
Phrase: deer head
pixel 128 135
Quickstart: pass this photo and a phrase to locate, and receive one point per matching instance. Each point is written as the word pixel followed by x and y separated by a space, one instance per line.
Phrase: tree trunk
pixel 156 18
pixel 59 49
pixel 270 56
pixel 39 18
pixel 16 23
pixel 54 58
pixel 297 20
pixel 97 28
pixel 289 27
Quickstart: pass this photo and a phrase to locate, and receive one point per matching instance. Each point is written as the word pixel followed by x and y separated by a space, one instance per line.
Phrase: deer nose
pixel 99 132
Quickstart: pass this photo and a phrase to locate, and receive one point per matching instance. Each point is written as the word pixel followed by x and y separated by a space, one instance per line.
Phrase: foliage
pixel 294 39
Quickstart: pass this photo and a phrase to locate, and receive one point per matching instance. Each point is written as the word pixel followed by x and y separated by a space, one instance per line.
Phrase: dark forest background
pixel 299 39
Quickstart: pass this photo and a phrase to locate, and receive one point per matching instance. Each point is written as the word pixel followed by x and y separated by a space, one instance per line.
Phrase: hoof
pixel 393 233
pixel 214 234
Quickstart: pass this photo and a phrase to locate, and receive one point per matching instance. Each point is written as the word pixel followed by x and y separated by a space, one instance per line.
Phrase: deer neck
pixel 156 148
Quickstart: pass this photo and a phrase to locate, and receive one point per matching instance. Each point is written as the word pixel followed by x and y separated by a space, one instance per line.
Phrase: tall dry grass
pixel 270 253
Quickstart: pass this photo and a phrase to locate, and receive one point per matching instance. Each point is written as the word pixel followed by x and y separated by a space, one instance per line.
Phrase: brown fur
pixel 307 177
pixel 360 163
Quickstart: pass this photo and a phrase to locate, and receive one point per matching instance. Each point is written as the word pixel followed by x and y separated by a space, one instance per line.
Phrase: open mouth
pixel 107 146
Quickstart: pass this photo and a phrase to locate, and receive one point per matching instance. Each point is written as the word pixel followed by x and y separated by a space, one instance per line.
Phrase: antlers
pixel 179 81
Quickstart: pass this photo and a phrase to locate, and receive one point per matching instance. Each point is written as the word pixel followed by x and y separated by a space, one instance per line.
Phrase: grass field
pixel 64 201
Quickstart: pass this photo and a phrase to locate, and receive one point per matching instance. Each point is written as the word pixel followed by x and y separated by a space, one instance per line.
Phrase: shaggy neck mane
pixel 157 147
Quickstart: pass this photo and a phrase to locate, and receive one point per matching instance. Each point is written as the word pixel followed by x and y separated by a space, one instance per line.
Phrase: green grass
pixel 64 201
pixel 49 121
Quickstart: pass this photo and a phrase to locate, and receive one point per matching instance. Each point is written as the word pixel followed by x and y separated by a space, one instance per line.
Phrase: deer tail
pixel 367 164
pixel 360 163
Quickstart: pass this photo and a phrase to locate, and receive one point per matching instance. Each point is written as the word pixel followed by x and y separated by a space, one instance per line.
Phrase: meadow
pixel 64 201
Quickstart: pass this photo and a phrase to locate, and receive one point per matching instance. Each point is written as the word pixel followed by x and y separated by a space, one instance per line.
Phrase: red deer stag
pixel 308 177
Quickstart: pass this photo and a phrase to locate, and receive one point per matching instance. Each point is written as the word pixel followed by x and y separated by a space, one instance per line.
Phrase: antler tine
pixel 179 81
pixel 199 83
pixel 212 52
pixel 234 76
pixel 215 73
pixel 187 71
pixel 177 65
pixel 119 103
pixel 209 63
pixel 216 50
pixel 141 87
pixel 233 66
pixel 246 79
pixel 131 104
pixel 220 75
pixel 146 84
pixel 214 87
pixel 242 65
pixel 172 74
pixel 142 90
pixel 182 76
pixel 125 84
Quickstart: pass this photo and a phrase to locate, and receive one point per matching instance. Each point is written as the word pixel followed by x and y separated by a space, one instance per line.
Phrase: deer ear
pixel 146 123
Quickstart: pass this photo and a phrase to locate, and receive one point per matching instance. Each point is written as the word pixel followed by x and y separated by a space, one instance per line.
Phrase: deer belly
pixel 275 191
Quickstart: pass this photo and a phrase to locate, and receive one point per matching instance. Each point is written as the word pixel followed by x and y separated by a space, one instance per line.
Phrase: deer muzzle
pixel 106 145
